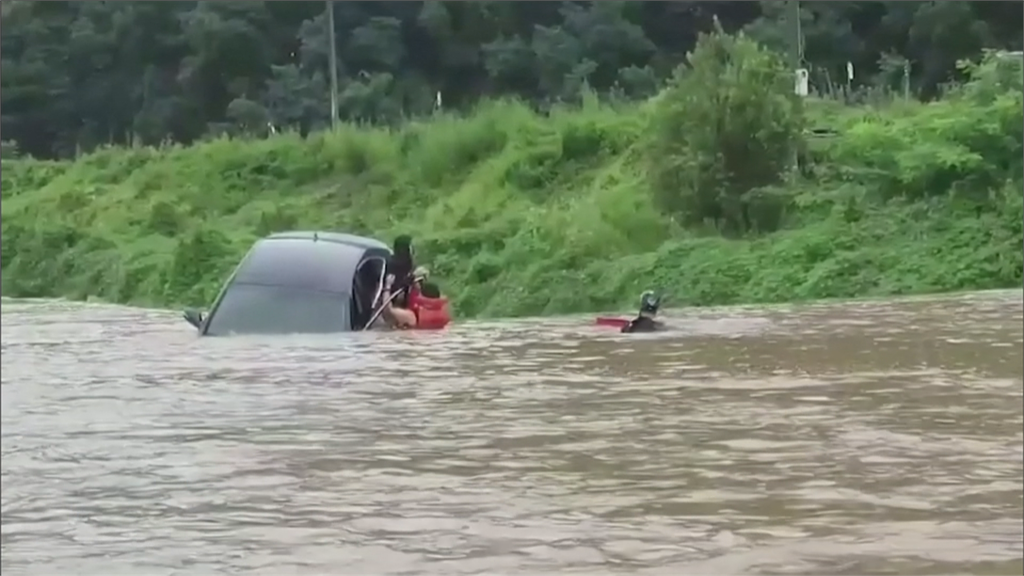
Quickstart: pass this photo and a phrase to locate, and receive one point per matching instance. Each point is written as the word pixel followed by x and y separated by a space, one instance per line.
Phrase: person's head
pixel 649 303
pixel 430 290
pixel 403 246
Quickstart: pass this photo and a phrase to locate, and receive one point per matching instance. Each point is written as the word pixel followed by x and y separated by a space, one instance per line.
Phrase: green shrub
pixel 728 126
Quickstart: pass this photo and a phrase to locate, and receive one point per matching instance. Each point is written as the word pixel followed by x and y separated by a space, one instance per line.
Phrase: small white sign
pixel 802 80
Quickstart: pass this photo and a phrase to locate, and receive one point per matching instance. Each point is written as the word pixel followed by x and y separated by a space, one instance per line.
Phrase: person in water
pixel 401 268
pixel 646 320
pixel 404 318
pixel 395 316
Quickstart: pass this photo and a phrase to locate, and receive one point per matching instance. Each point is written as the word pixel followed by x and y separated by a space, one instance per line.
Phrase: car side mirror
pixel 193 317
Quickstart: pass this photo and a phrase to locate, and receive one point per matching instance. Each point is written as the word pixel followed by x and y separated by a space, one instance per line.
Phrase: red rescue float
pixel 612 322
pixel 431 313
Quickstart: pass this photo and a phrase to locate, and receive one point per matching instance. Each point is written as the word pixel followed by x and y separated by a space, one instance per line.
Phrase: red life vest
pixel 431 313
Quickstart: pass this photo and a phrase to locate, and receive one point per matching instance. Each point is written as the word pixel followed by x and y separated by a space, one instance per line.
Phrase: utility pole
pixel 796 48
pixel 333 60
pixel 800 74
pixel 796 53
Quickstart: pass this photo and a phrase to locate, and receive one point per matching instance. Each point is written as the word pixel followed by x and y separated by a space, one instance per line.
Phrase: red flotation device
pixel 431 313
pixel 612 322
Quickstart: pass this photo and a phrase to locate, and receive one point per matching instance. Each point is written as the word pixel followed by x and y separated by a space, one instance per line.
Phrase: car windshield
pixel 258 309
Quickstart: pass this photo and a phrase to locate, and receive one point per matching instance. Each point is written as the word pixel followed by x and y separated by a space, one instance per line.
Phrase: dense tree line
pixel 81 74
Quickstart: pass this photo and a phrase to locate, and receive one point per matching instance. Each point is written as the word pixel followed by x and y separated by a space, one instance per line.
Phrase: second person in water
pixel 646 320
pixel 428 310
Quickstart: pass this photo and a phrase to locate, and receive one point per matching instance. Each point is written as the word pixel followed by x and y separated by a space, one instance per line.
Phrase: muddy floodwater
pixel 856 438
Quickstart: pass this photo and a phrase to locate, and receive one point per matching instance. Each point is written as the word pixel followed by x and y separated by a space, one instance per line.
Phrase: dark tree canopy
pixel 77 75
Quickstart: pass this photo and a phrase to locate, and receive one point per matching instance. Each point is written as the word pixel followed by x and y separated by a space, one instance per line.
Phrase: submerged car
pixel 299 283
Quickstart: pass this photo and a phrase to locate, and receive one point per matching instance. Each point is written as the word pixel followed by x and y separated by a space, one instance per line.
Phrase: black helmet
pixel 650 302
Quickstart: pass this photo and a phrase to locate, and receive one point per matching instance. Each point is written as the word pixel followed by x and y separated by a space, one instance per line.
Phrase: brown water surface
pixel 859 438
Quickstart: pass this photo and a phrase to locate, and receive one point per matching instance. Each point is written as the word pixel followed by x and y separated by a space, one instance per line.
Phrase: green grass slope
pixel 521 214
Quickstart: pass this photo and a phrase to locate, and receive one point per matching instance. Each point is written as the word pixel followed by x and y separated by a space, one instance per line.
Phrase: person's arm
pixel 385 300
pixel 397 318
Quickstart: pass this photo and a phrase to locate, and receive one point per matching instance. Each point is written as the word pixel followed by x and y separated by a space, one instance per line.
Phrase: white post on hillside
pixel 802 85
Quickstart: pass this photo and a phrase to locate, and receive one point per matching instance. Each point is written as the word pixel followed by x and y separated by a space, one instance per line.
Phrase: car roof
pixel 324 262
pixel 339 237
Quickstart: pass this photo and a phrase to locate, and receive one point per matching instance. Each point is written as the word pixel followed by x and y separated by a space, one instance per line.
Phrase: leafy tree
pixel 727 128
pixel 77 75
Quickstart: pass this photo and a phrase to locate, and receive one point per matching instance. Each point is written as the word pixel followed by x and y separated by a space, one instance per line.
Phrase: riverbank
pixel 519 214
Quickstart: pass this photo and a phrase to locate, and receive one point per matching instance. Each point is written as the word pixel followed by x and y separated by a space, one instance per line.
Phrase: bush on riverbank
pixel 728 130
pixel 522 214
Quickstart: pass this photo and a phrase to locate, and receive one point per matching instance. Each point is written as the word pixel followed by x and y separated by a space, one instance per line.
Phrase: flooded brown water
pixel 865 438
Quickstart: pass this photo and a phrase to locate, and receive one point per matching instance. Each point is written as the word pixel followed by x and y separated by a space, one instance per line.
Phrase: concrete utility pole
pixel 796 49
pixel 333 59
pixel 796 52
pixel 800 74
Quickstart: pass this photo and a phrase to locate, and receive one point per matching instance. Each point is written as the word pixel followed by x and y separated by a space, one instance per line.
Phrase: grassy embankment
pixel 520 214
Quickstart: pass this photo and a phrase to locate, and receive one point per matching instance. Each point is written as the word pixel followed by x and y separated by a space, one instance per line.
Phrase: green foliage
pixel 81 75
pixel 966 145
pixel 521 213
pixel 727 128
